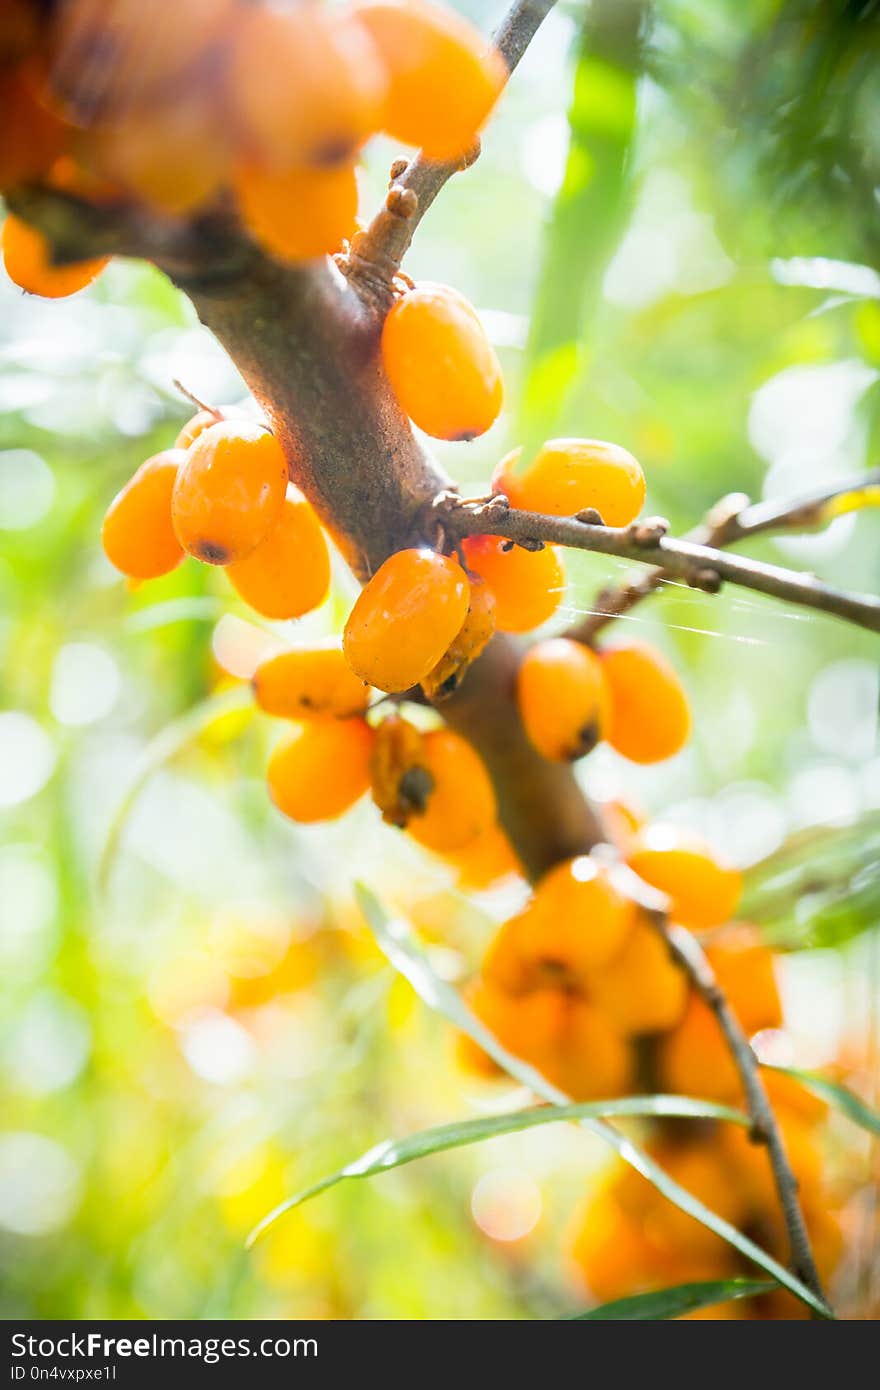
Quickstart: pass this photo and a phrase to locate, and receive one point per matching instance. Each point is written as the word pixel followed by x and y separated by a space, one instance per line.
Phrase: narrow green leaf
pixel 676 1300
pixel 166 745
pixel 843 1099
pixel 397 944
pixel 393 1153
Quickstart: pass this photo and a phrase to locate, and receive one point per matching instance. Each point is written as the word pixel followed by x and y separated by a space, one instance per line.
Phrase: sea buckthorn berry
pixel 399 778
pixel 745 972
pixel 622 822
pixel 405 618
pixel 441 366
pixel 299 214
pixel 650 718
pixel 322 770
pixel 528 585
pixel 105 56
pixel 571 475
pixel 472 639
pixel 562 698
pixel 699 1167
pixel 577 920
pixel 430 52
pixel 509 965
pixel 615 1257
pixel 230 492
pixel 310 683
pixel 308 86
pixel 693 1059
pixel 641 990
pixel 27 260
pixel 288 574
pixel 137 534
pixel 173 157
pixel 485 861
pixel 703 891
pixel 33 138
pixel 461 804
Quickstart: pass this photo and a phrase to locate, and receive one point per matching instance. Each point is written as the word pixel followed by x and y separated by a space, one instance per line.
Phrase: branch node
pixel 647 533
pixel 401 202
pixel 708 580
pixel 590 517
pixel 398 169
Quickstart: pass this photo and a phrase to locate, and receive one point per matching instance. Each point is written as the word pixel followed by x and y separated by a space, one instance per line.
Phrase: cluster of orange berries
pixel 222 495
pixel 269 102
pixel 580 985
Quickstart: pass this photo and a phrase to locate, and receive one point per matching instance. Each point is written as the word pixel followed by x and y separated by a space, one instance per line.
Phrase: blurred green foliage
pixel 695 276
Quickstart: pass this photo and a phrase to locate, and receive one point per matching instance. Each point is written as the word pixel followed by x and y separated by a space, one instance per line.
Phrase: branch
pixel 688 954
pixel 376 254
pixel 701 566
pixel 731 520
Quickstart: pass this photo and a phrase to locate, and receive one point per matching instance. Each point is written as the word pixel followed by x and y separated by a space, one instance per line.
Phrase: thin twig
pixel 688 954
pixel 731 520
pixel 700 566
pixel 376 253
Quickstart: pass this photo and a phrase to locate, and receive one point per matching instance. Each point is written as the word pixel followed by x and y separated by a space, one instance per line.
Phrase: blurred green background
pixel 672 236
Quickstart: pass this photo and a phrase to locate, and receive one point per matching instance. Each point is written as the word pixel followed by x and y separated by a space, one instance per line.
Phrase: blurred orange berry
pixel 744 969
pixel 137 533
pixel 641 990
pixel 562 698
pixel 577 920
pixel 299 214
pixel 27 261
pixel 694 1059
pixel 460 805
pixel 703 892
pixel 650 719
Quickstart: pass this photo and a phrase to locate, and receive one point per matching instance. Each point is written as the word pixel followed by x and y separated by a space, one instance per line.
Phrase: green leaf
pixel 820 888
pixel 843 1099
pixel 676 1300
pixel 166 745
pixel 393 1153
pixel 203 608
pixel 397 944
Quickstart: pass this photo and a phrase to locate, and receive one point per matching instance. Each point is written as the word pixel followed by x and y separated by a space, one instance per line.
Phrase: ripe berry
pixel 322 770
pixel 405 618
pixel 307 85
pixel 700 1168
pixel 744 969
pixel 431 54
pixel 472 639
pixel 299 214
pixel 33 138
pixel 649 719
pixel 196 425
pixel 703 892
pixel 570 475
pixel 485 861
pixel 27 259
pixel 694 1059
pixel 460 805
pixel 173 157
pixel 527 584
pixel 137 534
pixel 399 777
pixel 563 699
pixel 288 574
pixel 641 990
pixel 230 491
pixel 577 919
pixel 441 366
pixel 310 683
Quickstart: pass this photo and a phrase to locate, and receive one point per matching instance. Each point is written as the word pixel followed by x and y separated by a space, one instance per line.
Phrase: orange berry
pixel 569 475
pixel 641 990
pixel 32 137
pixel 700 1169
pixel 27 259
pixel 288 574
pixel 230 491
pixel 592 1060
pixel 787 1093
pixel 577 920
pixel 299 214
pixel 744 969
pixel 510 965
pixel 616 1257
pixel 471 640
pixel 485 861
pixel 703 892
pixel 562 698
pixel 528 585
pixel 322 770
pixel 460 805
pixel 622 822
pixel 137 533
pixel 107 57
pixel 307 85
pixel 650 719
pixel 405 618
pixel 310 683
pixel 694 1059
pixel 430 53
pixel 173 157
pixel 441 366
pixel 399 778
